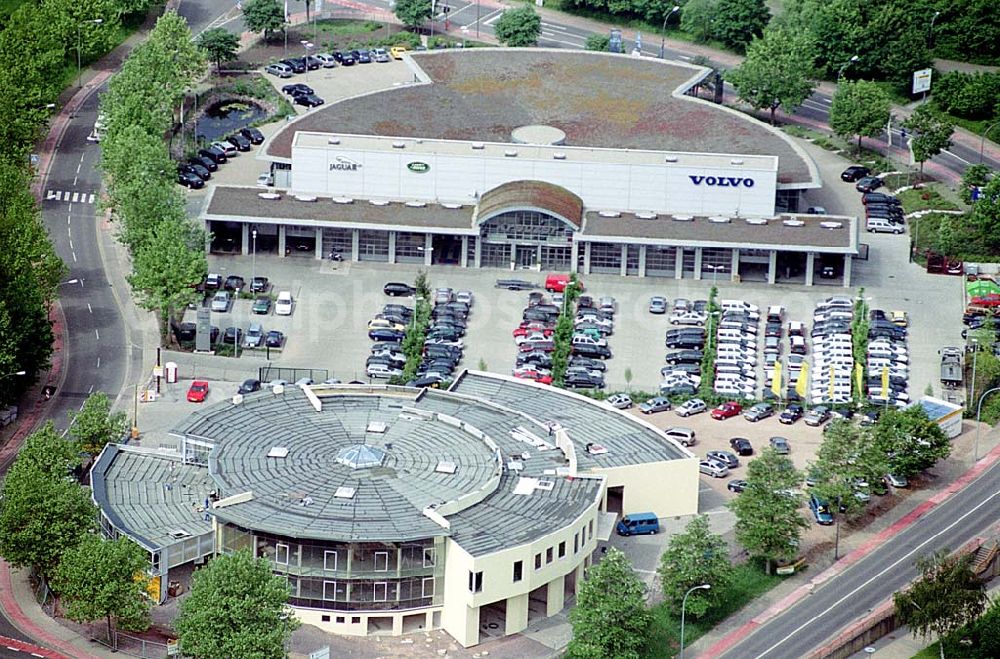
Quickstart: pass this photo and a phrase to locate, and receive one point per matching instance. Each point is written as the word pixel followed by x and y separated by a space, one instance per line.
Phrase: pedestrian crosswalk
pixel 69 196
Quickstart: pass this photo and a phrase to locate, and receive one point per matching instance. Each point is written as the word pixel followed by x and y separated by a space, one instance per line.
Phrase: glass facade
pixel 661 261
pixel 494 255
pixel 526 227
pixel 338 240
pixel 606 258
pixel 410 247
pixel 373 245
pixel 349 576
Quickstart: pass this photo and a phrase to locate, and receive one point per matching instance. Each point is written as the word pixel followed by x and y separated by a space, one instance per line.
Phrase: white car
pixel 328 60
pixel 620 401
pixel 382 371
pixel 687 318
pixel 380 55
pixel 283 305
pixel 682 435
pixel 265 180
pixel 464 296
pixel 220 302
pixel 713 468
pixel 692 406
pixel 226 148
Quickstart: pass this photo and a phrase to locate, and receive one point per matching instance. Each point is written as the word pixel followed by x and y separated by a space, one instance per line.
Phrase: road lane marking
pixel 91 390
pixel 89 309
pixel 76 197
pixel 98 361
pixel 98 334
pixel 494 19
pixel 877 576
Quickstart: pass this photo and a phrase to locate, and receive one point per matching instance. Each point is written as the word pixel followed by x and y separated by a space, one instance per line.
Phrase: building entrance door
pixel 527 256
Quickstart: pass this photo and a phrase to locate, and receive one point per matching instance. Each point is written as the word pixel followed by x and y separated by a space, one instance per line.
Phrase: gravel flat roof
pixel 597 99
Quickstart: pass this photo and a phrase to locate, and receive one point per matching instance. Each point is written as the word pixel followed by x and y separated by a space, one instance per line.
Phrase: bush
pixel 968 95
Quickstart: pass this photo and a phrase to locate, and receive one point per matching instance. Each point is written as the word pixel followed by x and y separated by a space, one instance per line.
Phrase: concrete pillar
pixel 623 267
pixel 772 266
pixel 465 251
pixel 469 634
pixel 428 248
pixel 642 260
pixel 245 239
pixel 281 240
pixel 397 624
pixel 586 258
pixel 679 263
pixel 319 243
pixel 538 256
pixel 697 262
pixel 517 614
pixel 355 244
pixel 581 572
pixel 478 256
pixel 574 255
pixel 810 267
pixel 429 620
pixel 734 266
pixel 847 270
pixel 392 247
pixel 555 596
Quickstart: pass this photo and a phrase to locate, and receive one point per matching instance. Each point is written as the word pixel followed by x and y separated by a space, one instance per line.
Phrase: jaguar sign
pixel 722 181
pixel 342 164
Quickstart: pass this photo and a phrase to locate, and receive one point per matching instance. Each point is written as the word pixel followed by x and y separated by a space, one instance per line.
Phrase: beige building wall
pixel 667 489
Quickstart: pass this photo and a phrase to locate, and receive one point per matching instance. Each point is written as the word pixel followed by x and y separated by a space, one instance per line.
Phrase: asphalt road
pixel 840 601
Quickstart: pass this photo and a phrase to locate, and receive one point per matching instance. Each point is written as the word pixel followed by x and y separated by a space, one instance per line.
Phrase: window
pixel 591 526
pixel 355 620
pixel 381 591
pixel 381 561
pixel 583 536
pixel 325 618
pixel 427 587
pixel 330 591
pixel 538 561
pixel 281 555
pixel 562 549
pixel 341 619
pixel 329 560
pixel 518 571
pixel 548 555
pixel 429 557
pixel 576 542
pixel 475 582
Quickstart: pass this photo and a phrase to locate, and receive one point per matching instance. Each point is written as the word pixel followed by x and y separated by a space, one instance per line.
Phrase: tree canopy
pixel 909 440
pixel 931 133
pixel 264 16
pixel 696 556
pixel 95 425
pixel 412 13
pixel 768 522
pixel 738 21
pixel 236 609
pixel 220 45
pixel 859 108
pixel 847 457
pixel 777 71
pixel 518 27
pixel 610 618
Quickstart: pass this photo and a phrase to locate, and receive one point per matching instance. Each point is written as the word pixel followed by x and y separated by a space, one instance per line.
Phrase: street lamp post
pixel 663 30
pixel 930 32
pixel 843 67
pixel 975 354
pixel 979 409
pixel 18 373
pixel 715 271
pixel 982 141
pixel 93 21
pixel 704 586
pixel 308 46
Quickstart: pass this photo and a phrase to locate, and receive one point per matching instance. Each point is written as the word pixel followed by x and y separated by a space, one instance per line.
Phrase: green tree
pixel 220 45
pixel 777 71
pixel 518 27
pixel 43 510
pixel 95 426
pixel 237 608
pixel 947 596
pixel 696 556
pixel 910 440
pixel 847 457
pixel 106 579
pixel 610 618
pixel 738 21
pixel 600 42
pixel 859 108
pixel 974 176
pixel 931 133
pixel 768 523
pixel 264 16
pixel 167 269
pixel 987 632
pixel 412 13
pixel 985 214
pixel 697 19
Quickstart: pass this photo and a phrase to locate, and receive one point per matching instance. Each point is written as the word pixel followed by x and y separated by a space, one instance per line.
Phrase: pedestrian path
pixel 70 196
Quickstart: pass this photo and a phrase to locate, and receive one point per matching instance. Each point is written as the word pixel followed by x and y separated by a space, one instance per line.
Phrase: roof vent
pixel 794 223
pixel 378 202
pixel 736 161
pixel 377 427
pixel 399 145
pixel 416 204
pixel 831 225
pixel 719 219
pixel 333 140
pixel 343 200
pixel 510 153
pixel 278 389
pixel 278 452
pixel 478 146
pixel 270 196
pixel 515 465
pixel 559 155
pixel 360 456
pixel 757 221
pixel 451 206
pixel 682 218
pixel 300 197
pixel 609 213
pixel 445 467
pixel 177 534
pixel 646 216
pixel 670 158
pixel 344 493
pixel 596 449
pixel 545 485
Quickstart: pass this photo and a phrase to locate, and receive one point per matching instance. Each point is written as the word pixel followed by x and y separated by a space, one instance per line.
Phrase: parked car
pixel 297 88
pixel 713 469
pixel 791 414
pixel 656 404
pixel 232 335
pixel 249 386
pixel 261 305
pixel 259 284
pixel 196 169
pixel 190 180
pixel 220 301
pixel 820 510
pixel 620 401
pixel 252 134
pixel 854 173
pixel 736 485
pixel 283 305
pixel 274 339
pixel 234 283
pixel 758 412
pixel 780 445
pixel 239 141
pixel 226 148
pixel 380 55
pixel 724 457
pixel 868 184
pixel 280 70
pixel 207 163
pixel 817 416
pixel 216 155
pixel 692 406
pixel 681 435
pixel 197 392
pixel 741 446
pixel 254 336
pixel 726 410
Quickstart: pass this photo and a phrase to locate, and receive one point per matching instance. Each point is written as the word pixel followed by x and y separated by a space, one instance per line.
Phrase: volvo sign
pixel 722 181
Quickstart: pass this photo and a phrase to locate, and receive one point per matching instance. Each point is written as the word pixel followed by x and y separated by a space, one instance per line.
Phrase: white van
pixel 382 371
pixel 739 305
pixel 881 225
pixel 587 340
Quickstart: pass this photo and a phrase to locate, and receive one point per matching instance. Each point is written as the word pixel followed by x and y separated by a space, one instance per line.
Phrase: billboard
pixel 922 80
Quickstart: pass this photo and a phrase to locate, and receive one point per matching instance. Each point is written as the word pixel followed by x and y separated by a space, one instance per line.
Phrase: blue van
pixel 820 510
pixel 638 523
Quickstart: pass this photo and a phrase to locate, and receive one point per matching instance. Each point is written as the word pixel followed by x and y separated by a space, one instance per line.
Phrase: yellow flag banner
pixel 859 373
pixel 776 381
pixel 829 389
pixel 802 386
pixel 885 380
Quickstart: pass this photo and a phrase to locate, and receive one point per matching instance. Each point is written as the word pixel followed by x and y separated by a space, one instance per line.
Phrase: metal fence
pixel 127 644
pixel 270 373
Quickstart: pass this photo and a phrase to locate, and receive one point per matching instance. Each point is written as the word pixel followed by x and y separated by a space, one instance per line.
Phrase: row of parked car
pixel 197 169
pixel 286 68
pixel 888 360
pixel 681 374
pixel 737 349
pixel 883 213
pixel 833 356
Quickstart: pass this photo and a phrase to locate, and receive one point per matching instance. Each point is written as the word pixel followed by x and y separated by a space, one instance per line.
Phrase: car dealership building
pixel 541 159
pixel 391 510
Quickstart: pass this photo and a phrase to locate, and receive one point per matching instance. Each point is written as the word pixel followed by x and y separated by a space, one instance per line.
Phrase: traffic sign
pixel 922 80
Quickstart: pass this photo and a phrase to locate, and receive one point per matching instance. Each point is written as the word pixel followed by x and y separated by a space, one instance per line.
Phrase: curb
pixel 976 470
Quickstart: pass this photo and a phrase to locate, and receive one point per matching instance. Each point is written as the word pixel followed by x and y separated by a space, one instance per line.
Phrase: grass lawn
pixel 749 582
pixel 925 198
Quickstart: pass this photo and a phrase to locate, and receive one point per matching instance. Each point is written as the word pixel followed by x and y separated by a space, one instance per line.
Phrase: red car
pixel 198 391
pixel 726 410
pixel 534 375
pixel 527 328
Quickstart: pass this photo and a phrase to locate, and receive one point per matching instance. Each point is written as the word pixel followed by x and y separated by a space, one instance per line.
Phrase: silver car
pixel 220 302
pixel 254 336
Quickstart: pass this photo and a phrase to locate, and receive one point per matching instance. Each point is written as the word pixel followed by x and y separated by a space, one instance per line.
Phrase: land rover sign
pixel 418 167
